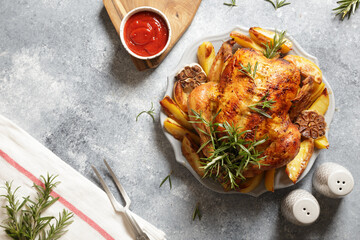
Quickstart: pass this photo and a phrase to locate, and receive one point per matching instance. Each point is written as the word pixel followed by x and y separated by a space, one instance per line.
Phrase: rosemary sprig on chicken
pixel 263 103
pixel 247 70
pixel 272 47
pixel 231 153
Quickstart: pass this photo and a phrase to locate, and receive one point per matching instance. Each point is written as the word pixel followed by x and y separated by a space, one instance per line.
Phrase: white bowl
pixel 143 9
pixel 189 56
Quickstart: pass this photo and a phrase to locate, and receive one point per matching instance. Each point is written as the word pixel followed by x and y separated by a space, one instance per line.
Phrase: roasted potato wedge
pixel 307 68
pixel 178 131
pixel 180 96
pixel 206 56
pixel 251 183
pixel 295 168
pixel 269 179
pixel 189 150
pixel 305 98
pixel 245 41
pixel 316 92
pixel 321 143
pixel 262 37
pixel 321 104
pixel 173 110
pixel 222 56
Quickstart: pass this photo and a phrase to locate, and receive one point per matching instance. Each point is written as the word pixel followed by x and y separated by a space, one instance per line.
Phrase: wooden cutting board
pixel 179 12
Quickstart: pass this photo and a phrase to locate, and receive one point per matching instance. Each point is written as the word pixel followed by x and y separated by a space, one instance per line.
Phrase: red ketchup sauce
pixel 146 33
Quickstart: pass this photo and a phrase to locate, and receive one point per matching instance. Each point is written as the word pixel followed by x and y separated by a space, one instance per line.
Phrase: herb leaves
pixel 150 112
pixel 263 103
pixel 232 4
pixel 272 47
pixel 346 8
pixel 231 153
pixel 197 212
pixel 278 4
pixel 247 70
pixel 25 220
pixel 168 177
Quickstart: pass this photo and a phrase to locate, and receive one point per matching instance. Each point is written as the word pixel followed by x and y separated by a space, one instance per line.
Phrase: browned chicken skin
pixel 236 91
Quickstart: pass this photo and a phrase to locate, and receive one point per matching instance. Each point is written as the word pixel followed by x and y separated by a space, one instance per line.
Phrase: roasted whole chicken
pixel 247 110
pixel 235 91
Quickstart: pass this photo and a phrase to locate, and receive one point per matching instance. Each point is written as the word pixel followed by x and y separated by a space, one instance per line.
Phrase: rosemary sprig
pixel 168 177
pixel 58 229
pixel 278 3
pixel 231 153
pixel 247 70
pixel 197 212
pixel 25 220
pixel 151 112
pixel 272 47
pixel 263 103
pixel 232 4
pixel 346 8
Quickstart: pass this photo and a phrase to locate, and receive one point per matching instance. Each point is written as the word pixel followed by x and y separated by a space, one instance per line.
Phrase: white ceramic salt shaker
pixel 300 207
pixel 333 180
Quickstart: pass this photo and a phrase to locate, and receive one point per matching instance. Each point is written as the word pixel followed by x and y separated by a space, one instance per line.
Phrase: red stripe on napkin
pixel 54 194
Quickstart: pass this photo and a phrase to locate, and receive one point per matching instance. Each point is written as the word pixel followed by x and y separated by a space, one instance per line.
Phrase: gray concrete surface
pixel 66 79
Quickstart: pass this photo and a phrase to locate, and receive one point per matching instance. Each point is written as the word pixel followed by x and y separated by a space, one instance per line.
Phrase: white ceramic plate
pixel 189 56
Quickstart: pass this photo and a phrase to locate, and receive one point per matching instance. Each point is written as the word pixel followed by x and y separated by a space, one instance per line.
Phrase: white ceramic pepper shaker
pixel 300 207
pixel 333 180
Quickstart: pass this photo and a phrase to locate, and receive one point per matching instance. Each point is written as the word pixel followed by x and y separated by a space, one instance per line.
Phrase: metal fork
pixel 140 234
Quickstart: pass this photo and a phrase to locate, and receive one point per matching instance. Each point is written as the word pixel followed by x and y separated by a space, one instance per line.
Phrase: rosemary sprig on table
pixel 168 177
pixel 150 112
pixel 272 47
pixel 197 212
pixel 231 153
pixel 278 3
pixel 263 103
pixel 25 220
pixel 346 8
pixel 247 70
pixel 232 4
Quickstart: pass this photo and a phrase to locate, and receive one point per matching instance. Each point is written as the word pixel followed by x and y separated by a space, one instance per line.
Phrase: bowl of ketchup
pixel 145 32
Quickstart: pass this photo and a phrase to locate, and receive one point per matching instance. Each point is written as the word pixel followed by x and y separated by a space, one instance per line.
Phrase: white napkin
pixel 23 160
